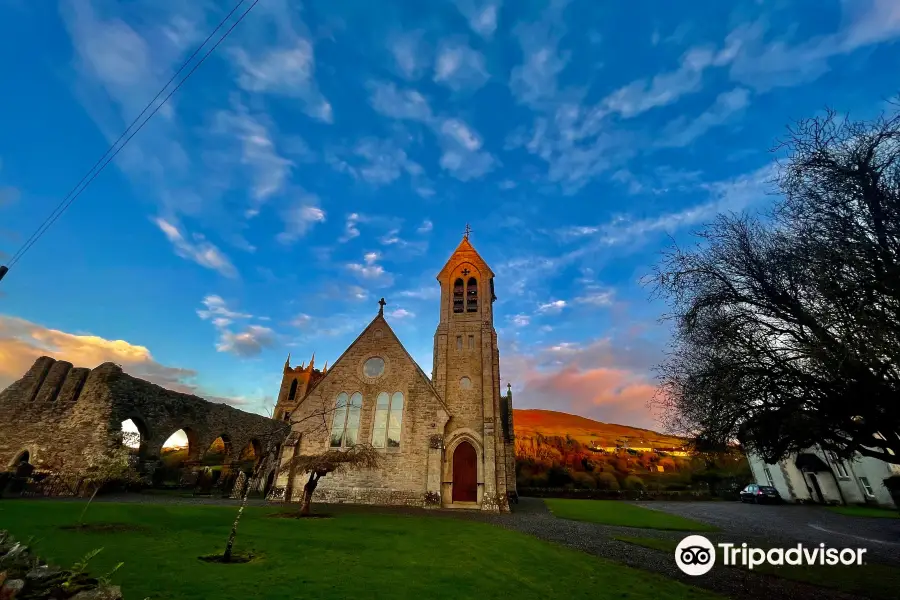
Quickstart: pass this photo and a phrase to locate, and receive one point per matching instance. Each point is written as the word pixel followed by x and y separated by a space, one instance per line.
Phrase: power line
pixel 73 195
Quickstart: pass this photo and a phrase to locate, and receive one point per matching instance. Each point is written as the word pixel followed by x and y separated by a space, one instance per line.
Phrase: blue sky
pixel 331 153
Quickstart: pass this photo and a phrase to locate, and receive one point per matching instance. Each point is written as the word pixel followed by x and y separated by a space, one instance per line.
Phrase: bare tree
pixel 787 325
pixel 330 461
pixel 312 419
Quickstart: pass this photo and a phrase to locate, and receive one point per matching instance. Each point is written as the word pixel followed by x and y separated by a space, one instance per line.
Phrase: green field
pixel 872 580
pixel 613 512
pixel 352 555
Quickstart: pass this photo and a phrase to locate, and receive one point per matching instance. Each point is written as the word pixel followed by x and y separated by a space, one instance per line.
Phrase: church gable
pixel 376 366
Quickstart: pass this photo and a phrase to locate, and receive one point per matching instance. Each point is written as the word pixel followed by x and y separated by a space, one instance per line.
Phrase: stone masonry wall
pixel 59 412
pixel 403 475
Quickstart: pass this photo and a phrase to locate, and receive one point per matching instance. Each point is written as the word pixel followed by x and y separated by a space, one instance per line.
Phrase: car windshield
pixel 767 488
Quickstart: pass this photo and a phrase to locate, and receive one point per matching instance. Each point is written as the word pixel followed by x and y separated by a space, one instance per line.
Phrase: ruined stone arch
pixel 191 434
pixel 26 453
pixel 143 430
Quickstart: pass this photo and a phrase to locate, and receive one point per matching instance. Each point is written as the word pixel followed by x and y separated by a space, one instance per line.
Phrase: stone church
pixel 444 441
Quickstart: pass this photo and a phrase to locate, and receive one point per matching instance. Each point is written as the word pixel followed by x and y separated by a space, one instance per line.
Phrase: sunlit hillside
pixel 530 422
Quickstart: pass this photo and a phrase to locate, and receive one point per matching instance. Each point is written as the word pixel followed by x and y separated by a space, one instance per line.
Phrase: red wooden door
pixel 465 473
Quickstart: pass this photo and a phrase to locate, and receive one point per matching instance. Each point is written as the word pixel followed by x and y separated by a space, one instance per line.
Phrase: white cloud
pixel 481 15
pixel 22 342
pixel 350 227
pixel 533 83
pixel 682 132
pixel 410 53
pixel 665 88
pixel 370 270
pixel 552 307
pixel 300 218
pixel 201 251
pixel 459 67
pixel 401 313
pixel 425 227
pixel 249 342
pixel 269 170
pixel 287 70
pixel 385 161
pixel 217 309
pixel 596 298
pixel 765 65
pixel 390 101
pixel 428 292
pixel 462 155
pixel 521 320
pixel 301 320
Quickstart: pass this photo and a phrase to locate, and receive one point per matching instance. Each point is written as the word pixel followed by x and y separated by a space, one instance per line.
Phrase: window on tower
pixel 472 295
pixel 293 392
pixel 458 296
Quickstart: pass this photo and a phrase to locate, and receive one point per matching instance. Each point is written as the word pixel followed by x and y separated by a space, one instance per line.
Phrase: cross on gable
pixel 381 304
pixel 465 272
pixel 467 232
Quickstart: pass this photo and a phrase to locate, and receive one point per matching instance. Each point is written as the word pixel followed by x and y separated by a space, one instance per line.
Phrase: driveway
pixel 792 524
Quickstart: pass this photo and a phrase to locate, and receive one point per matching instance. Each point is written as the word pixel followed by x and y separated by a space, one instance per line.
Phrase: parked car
pixel 760 494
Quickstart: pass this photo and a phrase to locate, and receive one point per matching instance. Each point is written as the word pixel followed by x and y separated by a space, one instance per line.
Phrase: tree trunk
pixel 308 490
pixel 86 506
pixel 226 556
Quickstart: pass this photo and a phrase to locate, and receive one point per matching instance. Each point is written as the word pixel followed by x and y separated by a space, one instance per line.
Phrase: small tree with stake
pixel 116 465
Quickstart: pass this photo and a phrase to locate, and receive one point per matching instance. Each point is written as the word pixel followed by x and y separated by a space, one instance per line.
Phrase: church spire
pixel 287 363
pixel 312 361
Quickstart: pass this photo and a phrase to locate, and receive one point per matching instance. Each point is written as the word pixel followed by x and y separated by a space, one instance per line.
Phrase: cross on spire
pixel 381 304
pixel 467 232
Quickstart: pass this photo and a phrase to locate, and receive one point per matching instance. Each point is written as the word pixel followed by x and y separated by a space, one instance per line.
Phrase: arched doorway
pixel 465 473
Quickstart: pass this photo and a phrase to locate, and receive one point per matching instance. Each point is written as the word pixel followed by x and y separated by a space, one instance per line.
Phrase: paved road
pixel 792 524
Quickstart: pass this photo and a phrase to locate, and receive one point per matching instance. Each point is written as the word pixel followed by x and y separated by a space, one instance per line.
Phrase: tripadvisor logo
pixel 696 555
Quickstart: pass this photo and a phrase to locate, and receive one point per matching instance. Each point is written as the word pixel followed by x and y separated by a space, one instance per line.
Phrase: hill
pixel 530 422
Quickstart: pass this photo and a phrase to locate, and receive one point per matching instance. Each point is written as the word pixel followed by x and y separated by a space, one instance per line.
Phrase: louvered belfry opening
pixel 472 295
pixel 458 296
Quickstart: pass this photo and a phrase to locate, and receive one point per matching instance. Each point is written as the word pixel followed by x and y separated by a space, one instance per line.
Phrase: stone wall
pixel 59 412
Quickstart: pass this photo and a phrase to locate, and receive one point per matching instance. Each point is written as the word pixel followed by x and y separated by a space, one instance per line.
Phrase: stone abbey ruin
pixel 58 414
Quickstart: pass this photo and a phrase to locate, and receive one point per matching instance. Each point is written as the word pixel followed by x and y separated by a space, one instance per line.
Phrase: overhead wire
pixel 86 180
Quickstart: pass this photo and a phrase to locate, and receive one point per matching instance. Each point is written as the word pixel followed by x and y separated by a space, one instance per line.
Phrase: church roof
pixel 466 252
pixel 379 319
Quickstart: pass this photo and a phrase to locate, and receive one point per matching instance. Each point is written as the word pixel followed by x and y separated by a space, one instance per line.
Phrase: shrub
pixel 584 481
pixel 633 482
pixel 892 483
pixel 607 481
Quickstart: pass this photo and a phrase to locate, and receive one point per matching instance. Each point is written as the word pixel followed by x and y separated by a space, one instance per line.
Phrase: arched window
pixel 293 391
pixel 388 420
pixel 472 295
pixel 458 296
pixel 345 427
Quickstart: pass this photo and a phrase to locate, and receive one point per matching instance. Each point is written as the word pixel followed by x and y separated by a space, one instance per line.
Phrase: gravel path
pixel 532 517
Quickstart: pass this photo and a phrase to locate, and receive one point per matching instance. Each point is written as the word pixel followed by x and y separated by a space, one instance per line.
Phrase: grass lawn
pixel 614 512
pixel 865 511
pixel 352 555
pixel 872 580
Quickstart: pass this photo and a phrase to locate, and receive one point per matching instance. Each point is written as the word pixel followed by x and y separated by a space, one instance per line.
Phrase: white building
pixel 816 476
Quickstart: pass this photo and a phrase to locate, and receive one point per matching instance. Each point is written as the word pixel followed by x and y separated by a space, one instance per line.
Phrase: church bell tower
pixel 466 374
